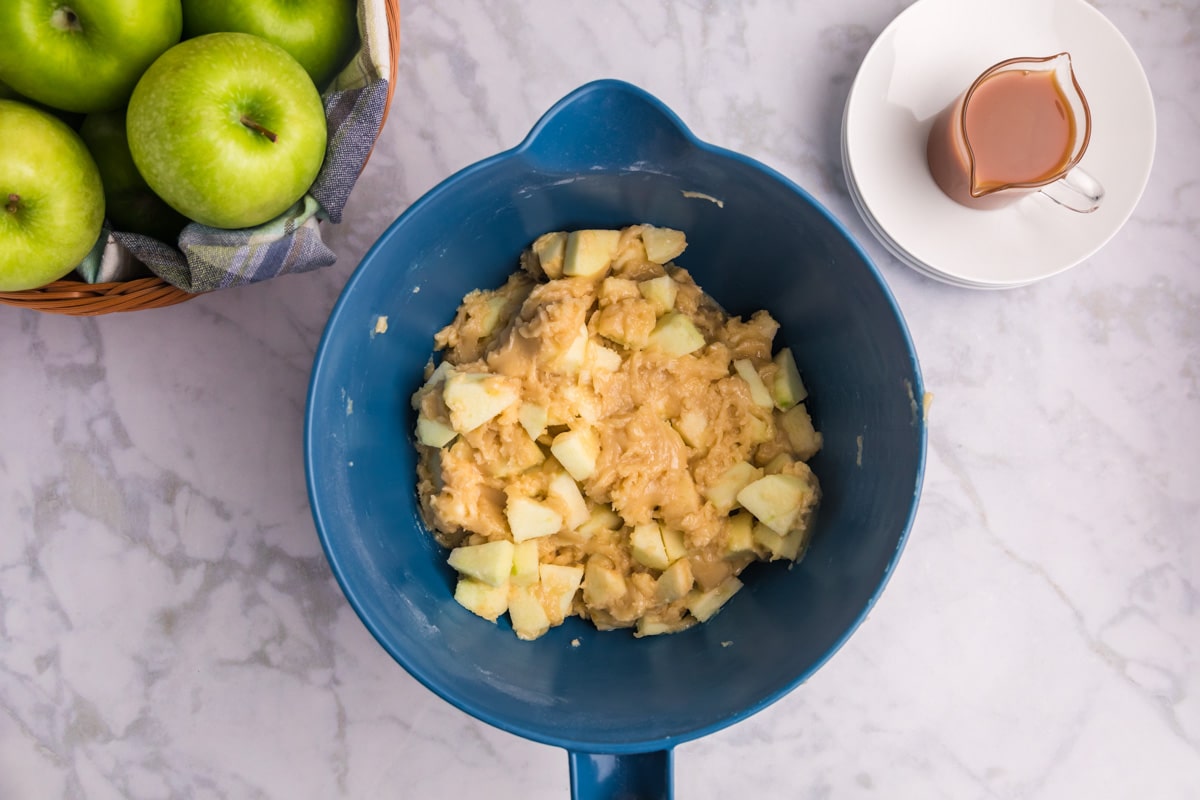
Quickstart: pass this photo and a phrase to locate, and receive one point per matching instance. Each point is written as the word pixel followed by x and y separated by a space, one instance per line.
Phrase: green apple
pixel 51 198
pixel 7 92
pixel 131 204
pixel 321 34
pixel 228 129
pixel 83 55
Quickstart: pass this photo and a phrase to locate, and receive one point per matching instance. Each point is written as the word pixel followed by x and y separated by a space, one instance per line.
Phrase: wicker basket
pixel 81 299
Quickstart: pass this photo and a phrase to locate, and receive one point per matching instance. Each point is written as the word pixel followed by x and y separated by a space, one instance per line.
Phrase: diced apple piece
pixel 571 360
pixel 490 562
pixel 647 545
pixel 775 500
pixel 758 390
pixel 704 604
pixel 723 494
pixel 489 318
pixel 654 627
pixel 778 463
pixel 694 428
pixel 661 292
pixel 475 398
pixel 479 598
pixel 525 611
pixel 563 492
pixel 529 519
pixel 603 358
pixel 676 335
pixel 525 564
pixel 577 450
pixel 602 586
pixel 439 374
pixel 590 252
pixel 601 518
pixel 663 244
pixel 787 389
pixel 533 419
pixel 432 433
pixel 797 425
pixel 675 582
pixel 779 546
pixel 559 585
pixel 550 248
pixel 674 543
pixel 756 431
pixel 740 534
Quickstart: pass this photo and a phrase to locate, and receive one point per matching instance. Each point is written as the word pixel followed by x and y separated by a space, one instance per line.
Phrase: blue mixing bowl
pixel 610 155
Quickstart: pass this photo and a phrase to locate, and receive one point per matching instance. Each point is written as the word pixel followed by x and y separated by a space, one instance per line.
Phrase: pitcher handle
pixel 1076 190
pixel 631 776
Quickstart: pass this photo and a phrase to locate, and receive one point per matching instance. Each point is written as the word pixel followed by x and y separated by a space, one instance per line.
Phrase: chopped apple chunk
pixel 675 582
pixel 433 433
pixel 758 390
pixel 533 419
pixel 661 293
pixel 787 388
pixel 647 543
pixel 476 398
pixel 577 450
pixel 779 546
pixel 529 519
pixel 564 493
pixel 590 253
pixel 739 537
pixel 724 493
pixel 602 518
pixel 525 563
pixel 602 585
pixel 704 604
pixel 797 425
pixel 663 244
pixel 676 335
pixel 694 427
pixel 776 500
pixel 559 585
pixel 490 562
pixel 550 249
pixel 674 543
pixel 525 611
pixel 479 598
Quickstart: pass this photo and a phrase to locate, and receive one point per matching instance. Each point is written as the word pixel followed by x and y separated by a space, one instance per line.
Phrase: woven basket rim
pixel 79 298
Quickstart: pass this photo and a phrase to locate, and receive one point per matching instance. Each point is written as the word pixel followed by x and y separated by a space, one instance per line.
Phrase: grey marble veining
pixel 169 627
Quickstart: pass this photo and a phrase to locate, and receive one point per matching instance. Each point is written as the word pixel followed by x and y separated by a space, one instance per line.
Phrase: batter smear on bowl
pixel 601 439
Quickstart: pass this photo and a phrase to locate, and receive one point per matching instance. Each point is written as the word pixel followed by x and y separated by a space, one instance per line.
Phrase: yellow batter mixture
pixel 601 439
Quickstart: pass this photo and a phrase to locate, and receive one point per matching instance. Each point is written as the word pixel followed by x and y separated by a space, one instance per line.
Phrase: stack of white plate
pixel 918 65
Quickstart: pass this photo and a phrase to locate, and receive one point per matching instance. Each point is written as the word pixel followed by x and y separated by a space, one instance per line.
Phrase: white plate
pixel 894 248
pixel 922 60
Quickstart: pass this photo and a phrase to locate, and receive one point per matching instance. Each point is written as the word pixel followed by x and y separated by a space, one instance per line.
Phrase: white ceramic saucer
pixel 922 60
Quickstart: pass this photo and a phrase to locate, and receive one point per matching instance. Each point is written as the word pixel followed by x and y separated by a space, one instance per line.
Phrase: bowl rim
pixel 446 691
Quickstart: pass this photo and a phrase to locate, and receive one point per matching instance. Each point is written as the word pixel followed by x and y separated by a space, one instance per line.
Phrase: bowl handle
pixel 603 776
pixel 606 122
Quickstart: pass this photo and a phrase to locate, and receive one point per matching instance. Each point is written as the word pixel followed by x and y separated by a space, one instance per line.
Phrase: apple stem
pixel 14 203
pixel 254 126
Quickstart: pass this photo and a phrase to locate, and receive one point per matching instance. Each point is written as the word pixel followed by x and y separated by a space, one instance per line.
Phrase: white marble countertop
pixel 169 627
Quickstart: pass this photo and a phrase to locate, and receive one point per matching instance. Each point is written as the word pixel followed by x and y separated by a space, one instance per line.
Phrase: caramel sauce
pixel 1019 127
